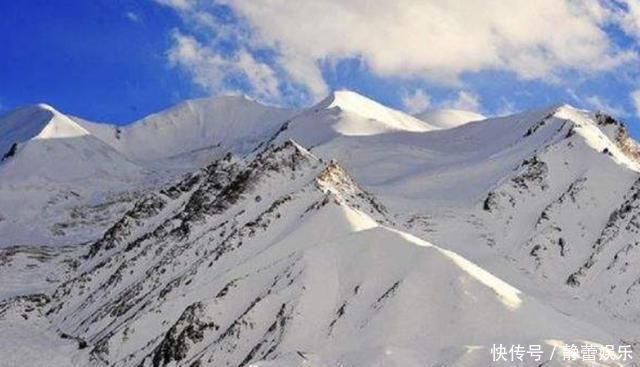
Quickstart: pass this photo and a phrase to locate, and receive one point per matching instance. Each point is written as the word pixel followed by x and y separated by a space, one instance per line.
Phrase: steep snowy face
pixel 206 226
pixel 538 188
pixel 202 128
pixel 449 118
pixel 275 255
pixel 411 169
pixel 346 114
pixel 35 122
pixel 454 167
pixel 62 179
pixel 49 165
pixel 283 259
pixel 362 106
pixel 43 145
pixel 603 134
pixel 563 215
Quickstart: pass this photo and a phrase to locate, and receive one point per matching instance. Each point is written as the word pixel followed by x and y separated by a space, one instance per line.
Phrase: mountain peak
pixel 38 121
pixel 562 107
pixel 34 108
pixel 350 101
pixel 346 113
pixel 45 107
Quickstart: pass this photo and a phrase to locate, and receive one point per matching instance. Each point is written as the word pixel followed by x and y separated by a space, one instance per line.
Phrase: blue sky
pixel 117 61
pixel 89 58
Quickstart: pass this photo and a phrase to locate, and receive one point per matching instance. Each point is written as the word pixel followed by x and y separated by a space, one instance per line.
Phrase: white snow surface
pixel 381 118
pixel 218 124
pixel 345 233
pixel 36 122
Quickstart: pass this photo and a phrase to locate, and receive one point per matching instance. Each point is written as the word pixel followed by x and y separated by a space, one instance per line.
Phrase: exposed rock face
pixel 280 257
pixel 563 218
pixel 197 231
pixel 11 152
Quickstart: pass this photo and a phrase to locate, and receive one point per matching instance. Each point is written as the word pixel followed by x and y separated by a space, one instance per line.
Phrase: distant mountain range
pixel 223 232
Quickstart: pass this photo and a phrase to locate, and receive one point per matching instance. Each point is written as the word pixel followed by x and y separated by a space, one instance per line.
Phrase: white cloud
pixel 420 101
pixel 506 108
pixel 437 39
pixel 260 76
pixel 635 98
pixel 429 39
pixel 626 13
pixel 132 16
pixel 211 70
pixel 596 102
pixel 416 101
pixel 178 4
pixel 464 100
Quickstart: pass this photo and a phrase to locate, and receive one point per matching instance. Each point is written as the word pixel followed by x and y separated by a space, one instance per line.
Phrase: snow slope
pixel 447 168
pixel 381 118
pixel 50 147
pixel 67 178
pixel 283 261
pixel 210 126
pixel 35 122
pixel 347 114
pixel 26 337
pixel 532 192
pixel 32 270
pixel 448 118
pixel 54 172
pixel 61 165
pixel 275 255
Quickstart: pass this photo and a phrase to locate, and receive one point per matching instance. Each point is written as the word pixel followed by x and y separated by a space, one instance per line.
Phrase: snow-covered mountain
pixel 202 128
pixel 49 164
pixel 76 176
pixel 346 233
pixel 346 114
pixel 40 144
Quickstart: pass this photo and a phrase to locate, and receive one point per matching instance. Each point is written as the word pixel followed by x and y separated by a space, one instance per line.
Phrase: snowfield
pixel 222 232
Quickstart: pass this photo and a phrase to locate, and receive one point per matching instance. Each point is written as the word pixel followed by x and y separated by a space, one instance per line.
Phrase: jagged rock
pixel 11 152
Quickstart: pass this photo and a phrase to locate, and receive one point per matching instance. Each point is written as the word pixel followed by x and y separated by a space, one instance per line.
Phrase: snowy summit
pixel 224 232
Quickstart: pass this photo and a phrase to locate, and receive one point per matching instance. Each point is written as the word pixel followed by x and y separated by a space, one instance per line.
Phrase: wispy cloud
pixel 134 17
pixel 212 70
pixel 596 102
pixel 178 4
pixel 426 39
pixel 419 100
pixel 416 101
pixel 463 100
pixel 635 99
pixel 505 108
